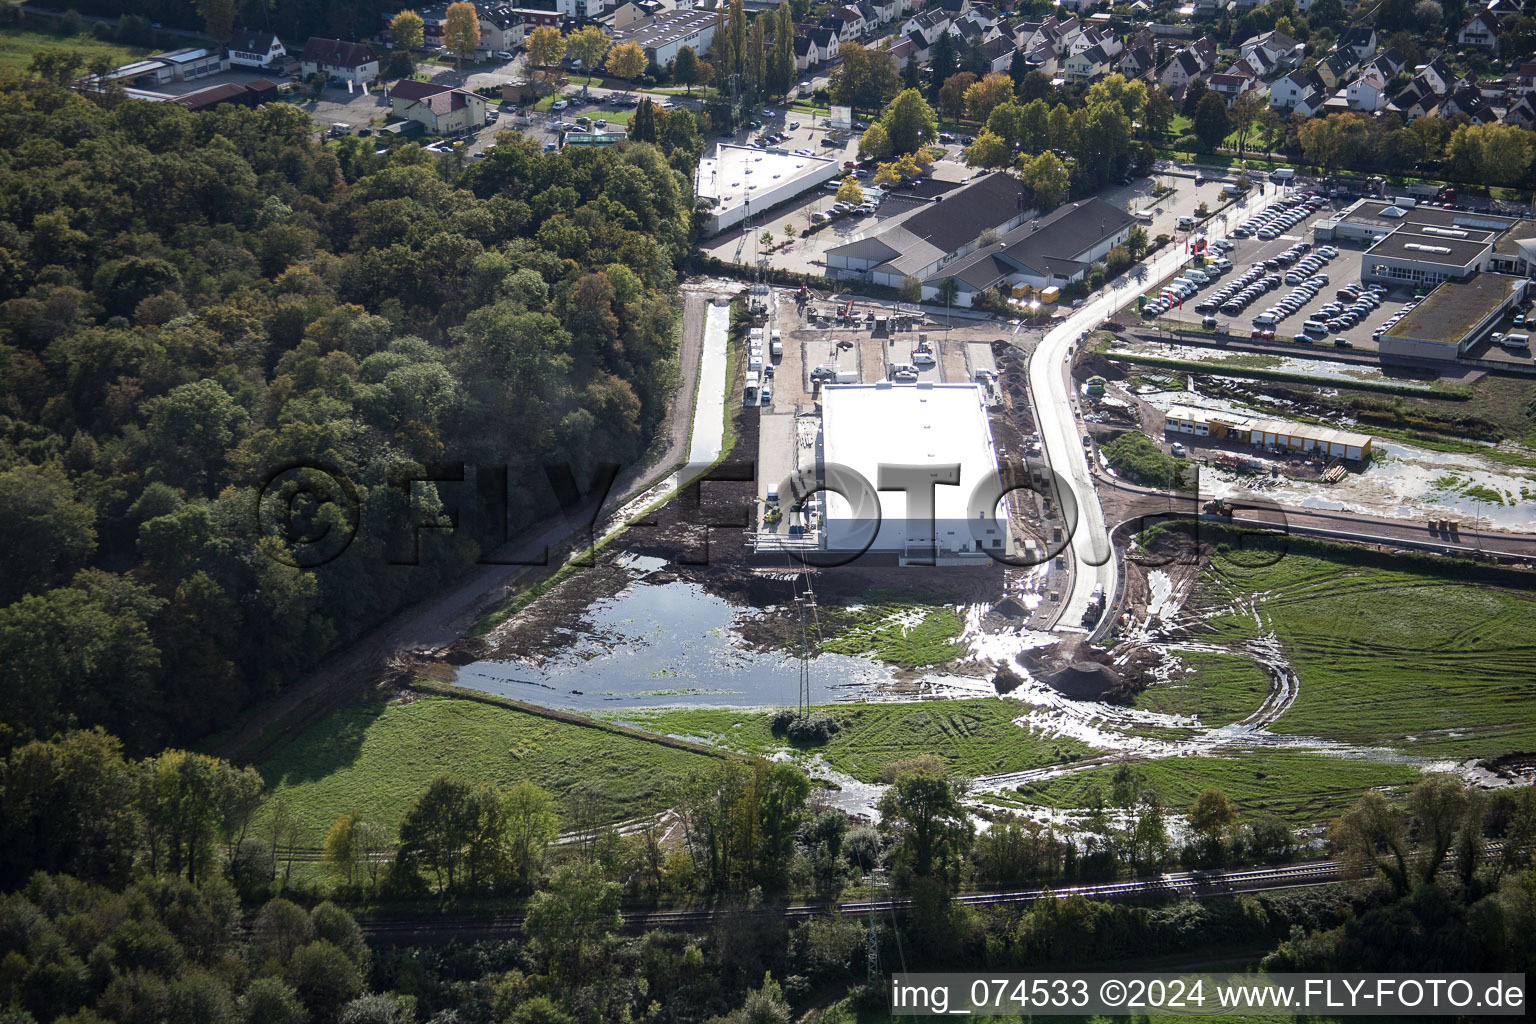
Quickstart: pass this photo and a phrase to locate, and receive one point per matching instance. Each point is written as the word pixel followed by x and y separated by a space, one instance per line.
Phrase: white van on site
pixel 1186 223
pixel 1197 276
pixel 1519 341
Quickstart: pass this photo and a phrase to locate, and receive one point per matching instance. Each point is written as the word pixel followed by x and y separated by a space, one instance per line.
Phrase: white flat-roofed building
pixel 737 175
pixel 943 426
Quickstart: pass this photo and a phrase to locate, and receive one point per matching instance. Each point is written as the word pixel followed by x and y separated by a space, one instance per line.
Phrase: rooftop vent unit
pixel 1421 247
pixel 1451 232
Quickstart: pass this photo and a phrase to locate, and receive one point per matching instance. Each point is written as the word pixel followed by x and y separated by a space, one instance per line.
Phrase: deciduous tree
pixel 461 30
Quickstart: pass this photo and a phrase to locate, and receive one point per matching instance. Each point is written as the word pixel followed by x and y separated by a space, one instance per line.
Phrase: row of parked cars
pixel 1285 213
pixel 1353 303
pixel 1191 281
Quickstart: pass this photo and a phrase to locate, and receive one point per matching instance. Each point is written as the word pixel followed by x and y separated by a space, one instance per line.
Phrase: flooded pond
pixel 655 644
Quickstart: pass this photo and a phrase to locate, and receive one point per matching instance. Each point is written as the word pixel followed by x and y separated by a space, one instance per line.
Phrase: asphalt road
pixel 1061 432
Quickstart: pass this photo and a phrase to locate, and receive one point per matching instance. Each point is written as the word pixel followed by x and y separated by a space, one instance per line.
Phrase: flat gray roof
pixel 1438 250
pixel 1454 308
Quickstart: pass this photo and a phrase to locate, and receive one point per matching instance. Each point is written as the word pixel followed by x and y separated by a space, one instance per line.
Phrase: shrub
pixel 804 730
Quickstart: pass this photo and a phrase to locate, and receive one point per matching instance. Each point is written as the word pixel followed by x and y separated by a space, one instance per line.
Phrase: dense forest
pixel 190 303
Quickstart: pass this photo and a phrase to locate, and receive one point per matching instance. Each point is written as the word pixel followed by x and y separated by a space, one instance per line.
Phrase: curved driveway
pixel 1061 436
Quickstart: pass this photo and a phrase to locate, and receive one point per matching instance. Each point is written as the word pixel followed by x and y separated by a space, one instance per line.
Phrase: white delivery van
pixel 1520 341
pixel 776 344
pixel 1186 223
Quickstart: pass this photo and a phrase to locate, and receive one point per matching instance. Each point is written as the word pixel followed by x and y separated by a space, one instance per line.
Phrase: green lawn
pixel 974 737
pixel 1300 786
pixel 376 759
pixel 1221 689
pixel 1438 665
pixel 19 45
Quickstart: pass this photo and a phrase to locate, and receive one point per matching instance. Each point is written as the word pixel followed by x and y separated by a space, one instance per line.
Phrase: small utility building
pixel 942 426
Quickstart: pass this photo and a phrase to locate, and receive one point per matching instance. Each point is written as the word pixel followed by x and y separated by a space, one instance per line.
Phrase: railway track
pixel 1180 885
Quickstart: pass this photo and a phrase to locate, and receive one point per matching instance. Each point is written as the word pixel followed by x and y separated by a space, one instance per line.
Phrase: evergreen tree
pixel 1018 68
pixel 941 65
pixel 643 127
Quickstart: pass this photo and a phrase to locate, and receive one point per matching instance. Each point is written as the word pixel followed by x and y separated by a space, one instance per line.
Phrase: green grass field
pixel 1437 665
pixel 376 759
pixel 18 46
pixel 902 634
pixel 1300 786
pixel 1222 689
pixel 974 737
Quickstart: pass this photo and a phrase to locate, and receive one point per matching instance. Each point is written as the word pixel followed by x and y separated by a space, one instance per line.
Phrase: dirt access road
pixel 430 626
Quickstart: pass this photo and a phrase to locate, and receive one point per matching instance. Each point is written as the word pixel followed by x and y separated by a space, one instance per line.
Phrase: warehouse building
pixel 937 432
pixel 741 180
pixel 1269 434
pixel 663 35
pixel 1454 317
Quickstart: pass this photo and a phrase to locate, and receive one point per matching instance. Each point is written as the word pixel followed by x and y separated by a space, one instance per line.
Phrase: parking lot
pixel 1338 263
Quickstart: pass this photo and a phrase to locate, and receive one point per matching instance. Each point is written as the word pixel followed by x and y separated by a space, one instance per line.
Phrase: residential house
pixel 1415 100
pixel 440 109
pixel 1470 101
pixel 1437 75
pixel 1481 30
pixel 1284 94
pixel 955 8
pixel 1336 68
pixel 1502 9
pixel 903 50
pixel 1183 67
pixel 254 48
pixel 1088 66
pixel 927 26
pixel 1522 112
pixel 339 59
pixel 1360 38
pixel 847 22
pixel 1206 51
pixel 1238 80
pixel 816 47
pixel 1525 80
pixel 1368 93
pixel 999 51
pixel 1389 62
pixel 1278 51
pixel 1138 61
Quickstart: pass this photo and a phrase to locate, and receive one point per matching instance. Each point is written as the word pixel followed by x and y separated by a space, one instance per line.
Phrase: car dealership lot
pixel 1287 285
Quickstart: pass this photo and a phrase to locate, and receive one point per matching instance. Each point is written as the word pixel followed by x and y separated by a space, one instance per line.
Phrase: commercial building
pixel 1270 434
pixel 441 109
pixel 182 65
pixel 741 180
pixel 1417 245
pixel 663 35
pixel 339 59
pixel 1454 317
pixel 923 434
pixel 1047 252
pixel 947 228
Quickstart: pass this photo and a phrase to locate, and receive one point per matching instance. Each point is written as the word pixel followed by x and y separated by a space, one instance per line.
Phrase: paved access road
pixel 1061 433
